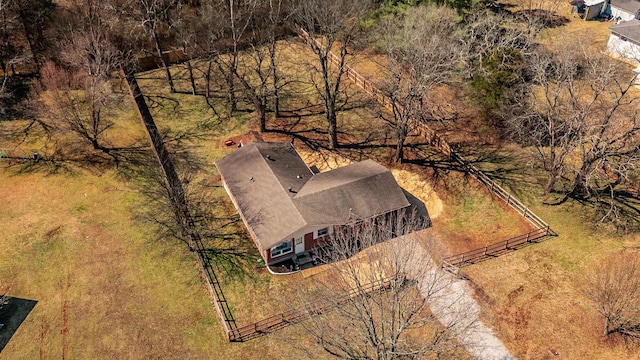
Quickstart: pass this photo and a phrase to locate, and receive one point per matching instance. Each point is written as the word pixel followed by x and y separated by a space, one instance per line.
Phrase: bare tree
pixel 36 17
pixel 257 71
pixel 495 45
pixel 226 25
pixel 185 23
pixel 332 23
pixel 14 57
pixel 76 106
pixel 391 285
pixel 424 53
pixel 153 17
pixel 580 109
pixel 279 14
pixel 86 44
pixel 539 14
pixel 613 286
pixel 76 100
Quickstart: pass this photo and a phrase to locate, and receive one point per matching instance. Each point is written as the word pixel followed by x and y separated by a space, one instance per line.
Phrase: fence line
pixel 178 199
pixel 493 250
pixel 301 313
pixel 441 144
pixel 176 193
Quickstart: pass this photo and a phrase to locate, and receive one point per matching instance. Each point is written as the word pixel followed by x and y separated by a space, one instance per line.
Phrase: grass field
pixel 104 286
pixel 107 287
pixel 534 298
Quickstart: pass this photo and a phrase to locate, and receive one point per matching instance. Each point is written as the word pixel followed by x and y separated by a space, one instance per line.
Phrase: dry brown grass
pixel 71 242
pixel 533 297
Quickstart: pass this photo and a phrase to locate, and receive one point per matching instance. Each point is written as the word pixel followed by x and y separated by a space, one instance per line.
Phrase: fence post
pixel 485 250
pixel 529 233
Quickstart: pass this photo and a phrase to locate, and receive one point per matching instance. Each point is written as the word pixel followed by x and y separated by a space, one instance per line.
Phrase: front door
pixel 299 245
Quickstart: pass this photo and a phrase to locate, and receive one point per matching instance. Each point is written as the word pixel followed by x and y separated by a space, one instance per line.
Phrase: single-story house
pixel 624 40
pixel 624 10
pixel 289 209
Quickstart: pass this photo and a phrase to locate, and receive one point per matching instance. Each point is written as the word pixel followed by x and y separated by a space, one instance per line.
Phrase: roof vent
pixel 291 190
pixel 299 176
pixel 251 179
pixel 270 158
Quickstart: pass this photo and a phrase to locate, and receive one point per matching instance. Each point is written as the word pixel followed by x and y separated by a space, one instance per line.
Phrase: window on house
pixel 323 232
pixel 281 249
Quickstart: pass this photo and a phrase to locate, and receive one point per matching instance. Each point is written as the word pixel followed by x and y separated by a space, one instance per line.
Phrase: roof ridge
pixel 265 160
pixel 345 183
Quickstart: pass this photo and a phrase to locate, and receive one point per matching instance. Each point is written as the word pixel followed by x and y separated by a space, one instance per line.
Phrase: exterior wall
pixel 266 254
pixel 627 49
pixel 593 11
pixel 622 14
pixel 310 241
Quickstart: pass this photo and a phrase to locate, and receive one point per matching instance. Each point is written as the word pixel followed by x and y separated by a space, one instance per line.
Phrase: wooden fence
pixel 177 197
pixel 301 313
pixel 452 263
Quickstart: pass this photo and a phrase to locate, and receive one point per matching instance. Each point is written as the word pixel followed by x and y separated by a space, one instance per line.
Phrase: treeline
pixel 572 106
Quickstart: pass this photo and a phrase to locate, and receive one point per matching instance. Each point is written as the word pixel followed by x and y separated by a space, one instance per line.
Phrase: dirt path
pixel 456 308
pixel 452 302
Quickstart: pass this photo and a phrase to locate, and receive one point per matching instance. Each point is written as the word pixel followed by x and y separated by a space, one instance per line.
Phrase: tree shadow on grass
pixel 619 207
pixel 544 18
pixel 12 316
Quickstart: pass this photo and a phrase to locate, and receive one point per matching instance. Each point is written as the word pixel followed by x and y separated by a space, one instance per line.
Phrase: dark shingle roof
pixel 356 191
pixel 278 195
pixel 631 6
pixel 629 29
pixel 258 176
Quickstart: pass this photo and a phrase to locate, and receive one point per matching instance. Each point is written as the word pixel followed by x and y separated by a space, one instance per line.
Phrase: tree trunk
pixel 262 114
pixel 580 183
pixel 163 60
pixel 192 79
pixel 580 186
pixel 207 81
pixel 275 78
pixel 233 101
pixel 333 127
pixel 400 151
pixel 24 19
pixel 329 104
pixel 551 183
